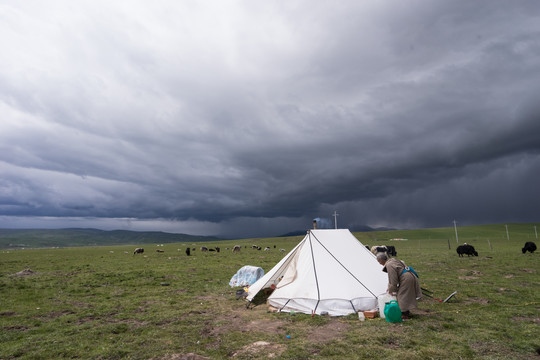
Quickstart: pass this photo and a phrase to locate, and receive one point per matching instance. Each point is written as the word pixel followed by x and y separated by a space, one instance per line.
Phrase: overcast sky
pixel 252 118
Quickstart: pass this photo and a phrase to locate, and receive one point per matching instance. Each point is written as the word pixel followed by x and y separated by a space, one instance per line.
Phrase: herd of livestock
pixel 465 249
pixel 469 250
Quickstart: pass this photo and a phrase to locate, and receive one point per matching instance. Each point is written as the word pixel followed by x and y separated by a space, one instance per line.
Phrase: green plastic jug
pixel 392 312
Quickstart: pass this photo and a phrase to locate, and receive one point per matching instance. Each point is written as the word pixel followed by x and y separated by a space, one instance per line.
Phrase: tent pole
pixel 316 306
pixel 353 306
pixel 283 307
pixel 315 269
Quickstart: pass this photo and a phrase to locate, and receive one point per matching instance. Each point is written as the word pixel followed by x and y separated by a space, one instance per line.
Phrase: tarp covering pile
pixel 246 276
pixel 328 272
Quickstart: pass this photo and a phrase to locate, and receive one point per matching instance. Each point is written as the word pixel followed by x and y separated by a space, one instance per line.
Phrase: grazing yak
pixel 376 249
pixel 236 248
pixel 388 249
pixel 138 251
pixel 466 249
pixel 204 248
pixel 529 246
pixel 391 250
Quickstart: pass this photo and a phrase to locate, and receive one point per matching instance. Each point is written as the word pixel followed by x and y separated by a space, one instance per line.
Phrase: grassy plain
pixel 106 303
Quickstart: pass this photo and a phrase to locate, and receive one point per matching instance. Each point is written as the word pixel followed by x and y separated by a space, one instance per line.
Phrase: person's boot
pixel 405 315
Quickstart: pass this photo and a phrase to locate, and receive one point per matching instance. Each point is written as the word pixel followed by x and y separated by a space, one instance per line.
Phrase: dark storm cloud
pixel 249 120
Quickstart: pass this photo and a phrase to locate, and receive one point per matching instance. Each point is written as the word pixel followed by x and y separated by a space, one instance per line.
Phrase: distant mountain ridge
pixel 356 228
pixel 40 238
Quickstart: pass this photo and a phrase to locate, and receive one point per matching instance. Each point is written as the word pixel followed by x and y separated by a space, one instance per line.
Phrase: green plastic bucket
pixel 392 312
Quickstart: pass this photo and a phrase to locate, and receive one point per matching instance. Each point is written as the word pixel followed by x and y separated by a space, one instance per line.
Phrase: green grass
pixel 101 303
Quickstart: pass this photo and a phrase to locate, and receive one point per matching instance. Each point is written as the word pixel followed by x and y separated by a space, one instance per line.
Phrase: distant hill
pixel 356 228
pixel 40 238
pixel 469 234
pixel 293 233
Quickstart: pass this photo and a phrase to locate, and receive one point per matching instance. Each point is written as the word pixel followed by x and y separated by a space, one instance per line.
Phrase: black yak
pixel 529 246
pixel 391 250
pixel 466 249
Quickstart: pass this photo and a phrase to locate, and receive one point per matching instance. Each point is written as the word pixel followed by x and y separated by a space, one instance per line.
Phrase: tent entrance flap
pixel 273 276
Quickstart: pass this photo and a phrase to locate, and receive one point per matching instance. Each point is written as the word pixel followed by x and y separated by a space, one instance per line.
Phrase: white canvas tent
pixel 329 271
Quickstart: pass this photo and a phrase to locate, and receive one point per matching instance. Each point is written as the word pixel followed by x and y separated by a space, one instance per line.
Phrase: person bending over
pixel 402 283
